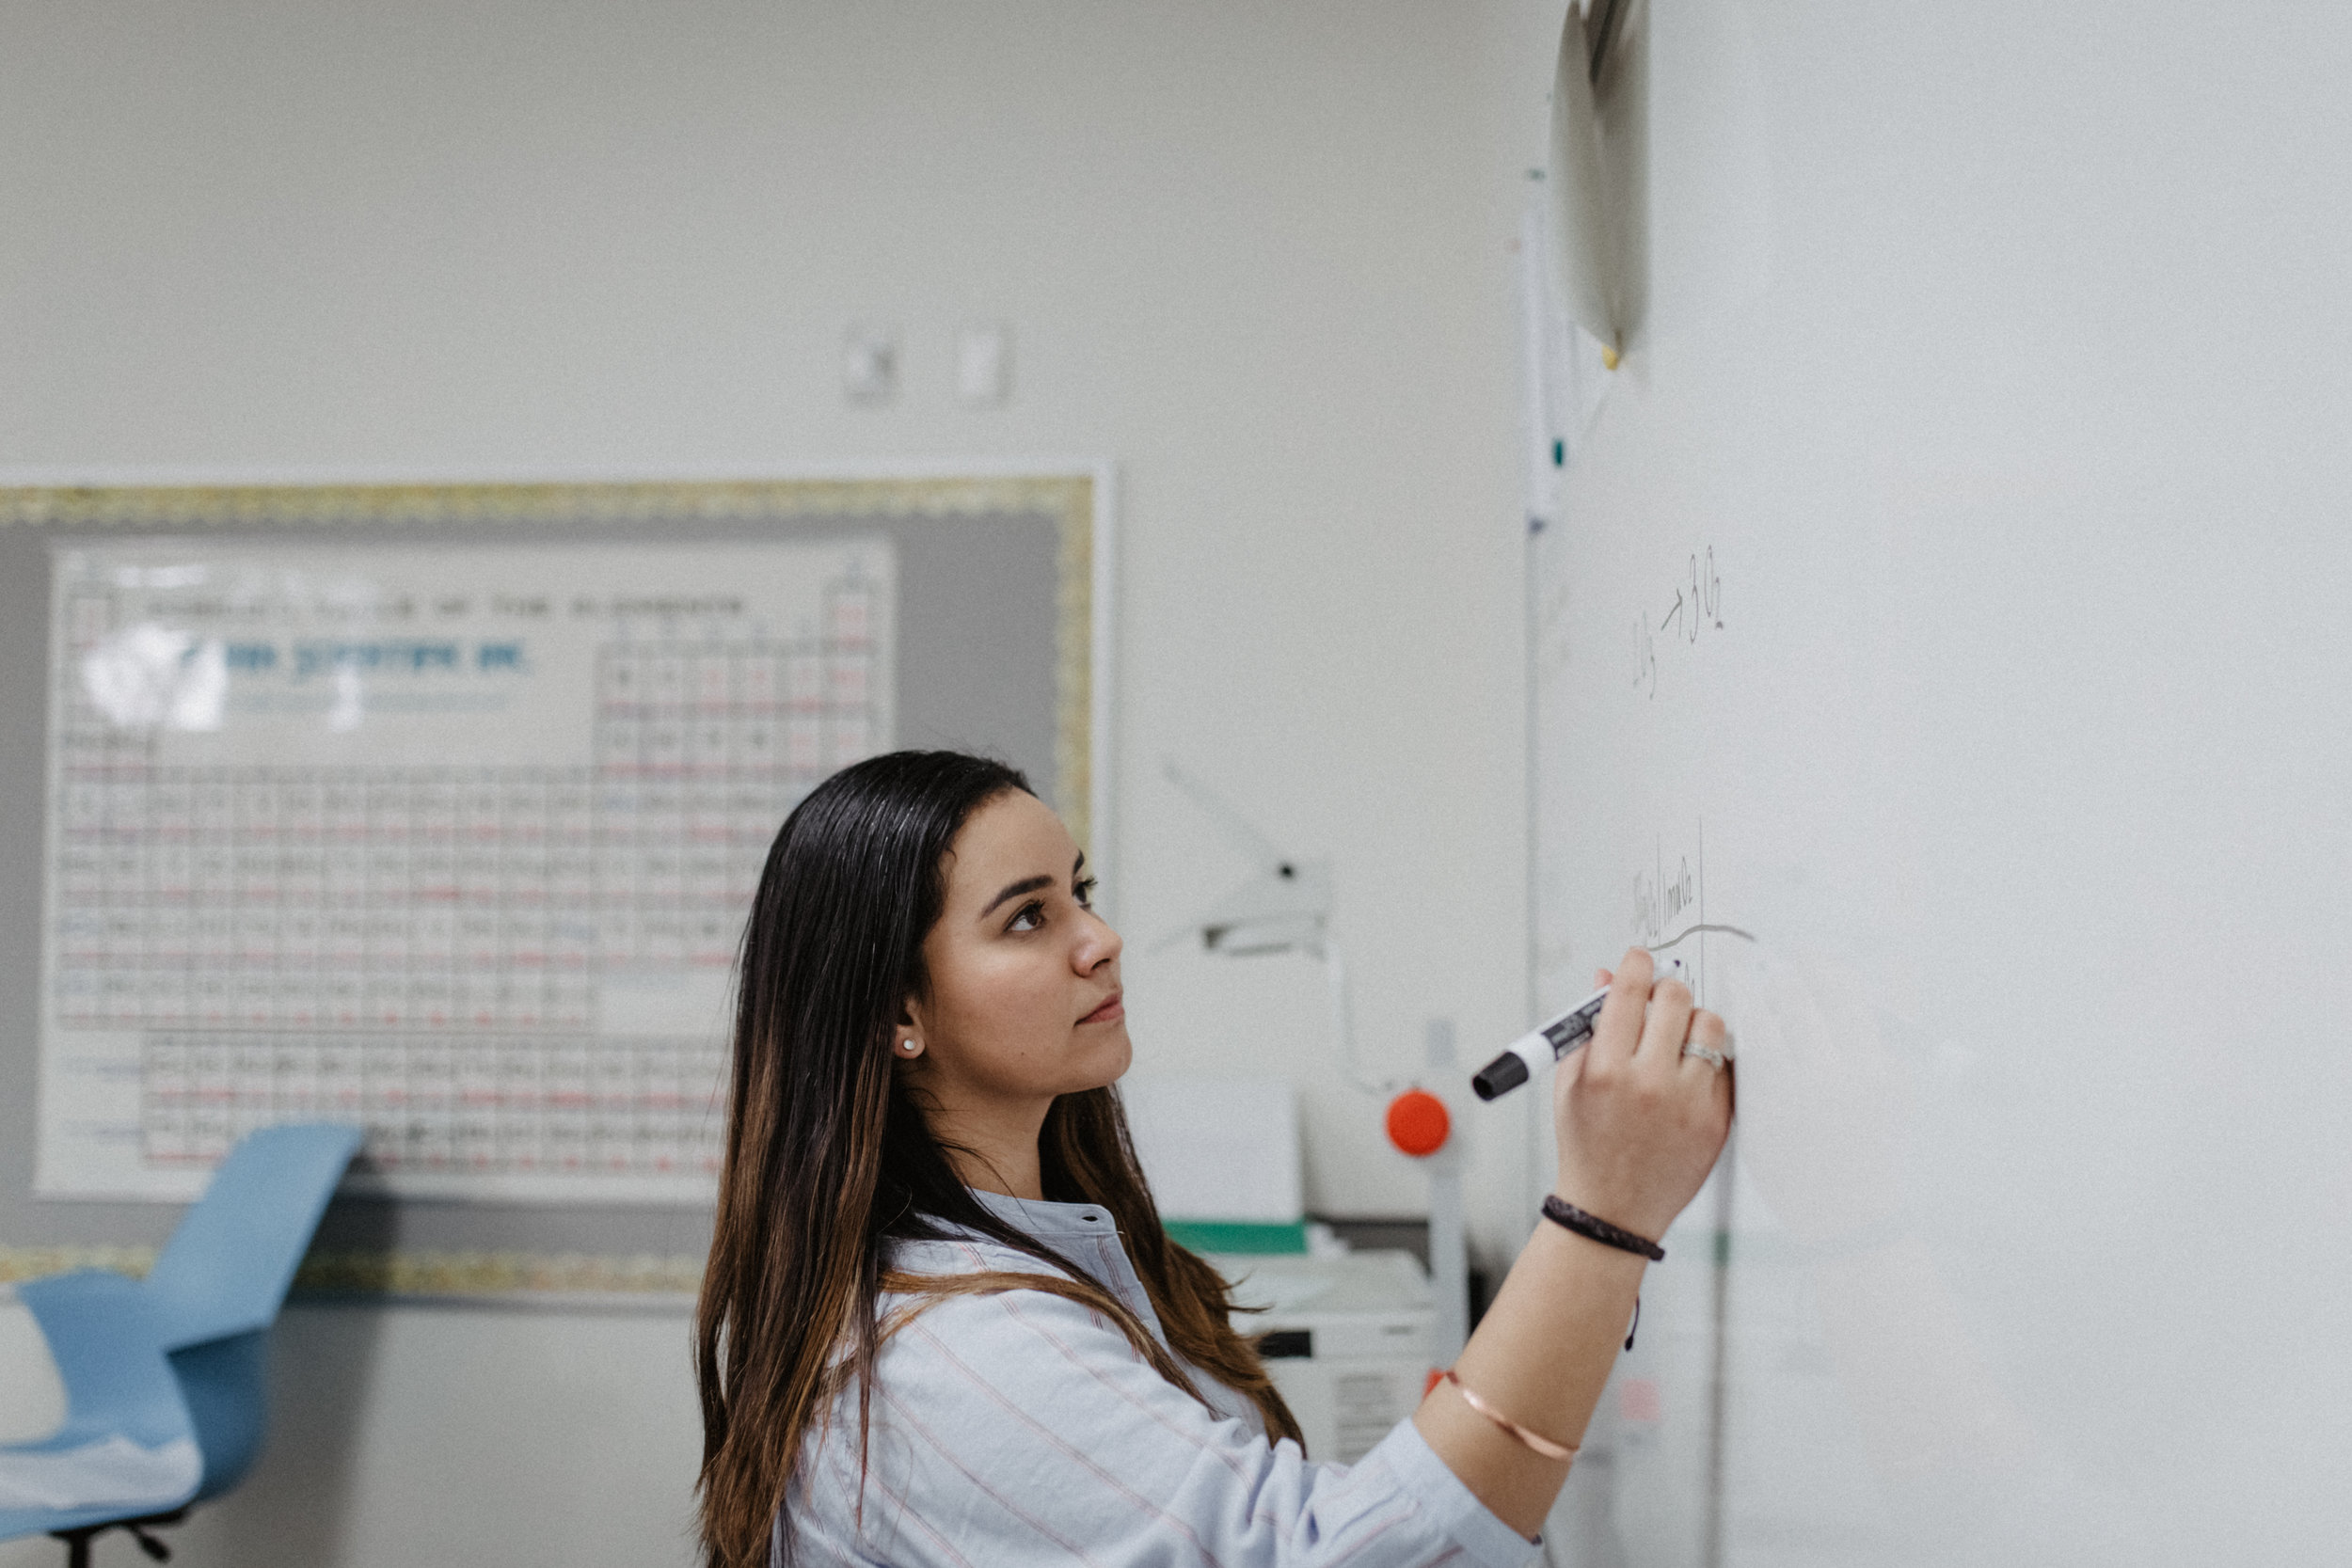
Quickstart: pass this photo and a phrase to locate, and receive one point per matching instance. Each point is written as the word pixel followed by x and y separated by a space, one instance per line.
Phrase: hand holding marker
pixel 1571 1029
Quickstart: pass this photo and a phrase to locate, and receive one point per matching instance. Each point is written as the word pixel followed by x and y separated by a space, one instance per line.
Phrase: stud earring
pixel 911 1048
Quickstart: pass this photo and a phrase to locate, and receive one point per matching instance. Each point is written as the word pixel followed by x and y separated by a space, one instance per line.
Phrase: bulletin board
pixel 438 809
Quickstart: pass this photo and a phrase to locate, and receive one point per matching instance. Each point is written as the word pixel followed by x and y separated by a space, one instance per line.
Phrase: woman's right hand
pixel 1638 1123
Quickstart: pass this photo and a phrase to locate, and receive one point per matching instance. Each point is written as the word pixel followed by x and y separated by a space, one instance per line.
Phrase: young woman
pixel 942 1323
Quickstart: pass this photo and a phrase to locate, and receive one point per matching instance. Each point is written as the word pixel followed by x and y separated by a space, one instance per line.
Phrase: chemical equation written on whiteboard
pixel 1697 610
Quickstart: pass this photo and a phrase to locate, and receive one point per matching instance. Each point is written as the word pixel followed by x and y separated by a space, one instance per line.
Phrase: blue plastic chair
pixel 174 1364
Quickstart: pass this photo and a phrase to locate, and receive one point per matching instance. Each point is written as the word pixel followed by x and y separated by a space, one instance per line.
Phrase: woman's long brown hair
pixel 829 1160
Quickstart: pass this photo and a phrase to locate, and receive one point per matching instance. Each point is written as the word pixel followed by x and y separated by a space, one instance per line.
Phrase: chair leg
pixel 77 1541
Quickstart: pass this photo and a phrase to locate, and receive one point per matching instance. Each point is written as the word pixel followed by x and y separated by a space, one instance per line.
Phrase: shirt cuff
pixel 1424 1477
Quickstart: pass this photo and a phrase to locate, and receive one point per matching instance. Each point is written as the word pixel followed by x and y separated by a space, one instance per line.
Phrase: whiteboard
pixel 1953 591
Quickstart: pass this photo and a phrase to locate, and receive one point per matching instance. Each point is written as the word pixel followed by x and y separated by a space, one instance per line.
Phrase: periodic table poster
pixel 451 841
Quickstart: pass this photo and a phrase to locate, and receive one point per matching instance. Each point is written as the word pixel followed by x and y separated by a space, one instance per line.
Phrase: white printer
pixel 1347 1338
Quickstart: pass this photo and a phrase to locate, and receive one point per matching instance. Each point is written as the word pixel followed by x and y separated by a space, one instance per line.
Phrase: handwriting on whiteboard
pixel 1663 897
pixel 1697 609
pixel 1669 907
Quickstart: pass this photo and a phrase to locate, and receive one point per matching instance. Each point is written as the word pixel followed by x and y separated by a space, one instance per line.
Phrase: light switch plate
pixel 984 365
pixel 870 364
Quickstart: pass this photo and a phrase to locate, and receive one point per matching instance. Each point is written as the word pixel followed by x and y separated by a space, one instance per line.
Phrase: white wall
pixel 1255 255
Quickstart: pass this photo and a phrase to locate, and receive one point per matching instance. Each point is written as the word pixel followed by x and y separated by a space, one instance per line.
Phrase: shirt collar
pixel 1042 1218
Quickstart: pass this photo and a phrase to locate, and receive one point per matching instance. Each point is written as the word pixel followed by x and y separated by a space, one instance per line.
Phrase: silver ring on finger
pixel 1712 1058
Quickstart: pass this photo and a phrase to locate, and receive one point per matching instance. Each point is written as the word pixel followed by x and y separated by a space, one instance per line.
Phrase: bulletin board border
pixel 1077 496
pixel 659 1280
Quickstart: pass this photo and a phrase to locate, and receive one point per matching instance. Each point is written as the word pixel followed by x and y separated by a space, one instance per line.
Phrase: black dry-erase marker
pixel 1550 1043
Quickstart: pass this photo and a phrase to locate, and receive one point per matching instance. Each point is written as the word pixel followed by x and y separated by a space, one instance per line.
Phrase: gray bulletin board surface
pixel 997 615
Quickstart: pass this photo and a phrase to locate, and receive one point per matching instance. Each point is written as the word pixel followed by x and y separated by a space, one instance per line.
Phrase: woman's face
pixel 1025 995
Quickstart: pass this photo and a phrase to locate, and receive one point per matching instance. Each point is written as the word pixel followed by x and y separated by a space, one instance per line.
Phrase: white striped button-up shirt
pixel 1022 1428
